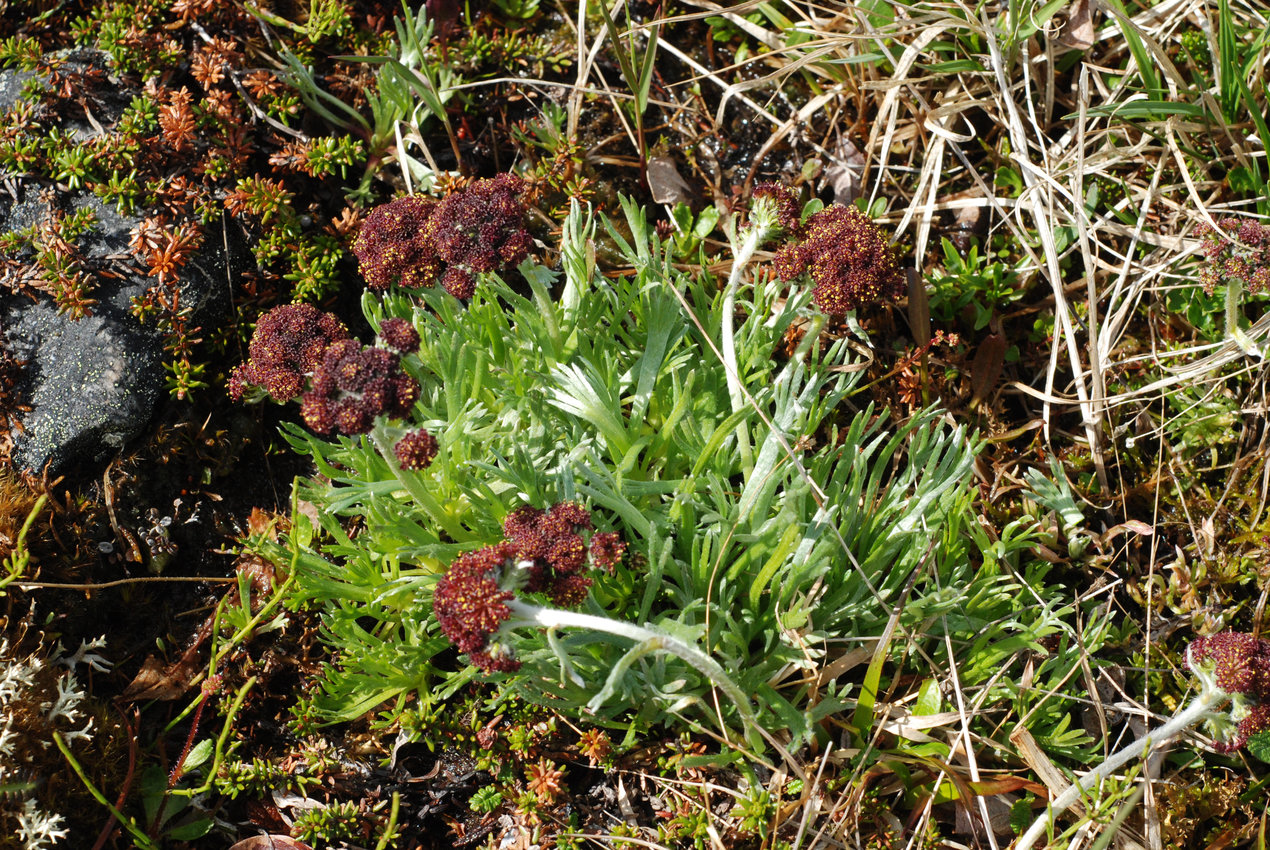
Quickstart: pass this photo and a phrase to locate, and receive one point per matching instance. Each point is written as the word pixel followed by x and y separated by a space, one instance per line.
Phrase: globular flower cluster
pixel 348 385
pixel 545 551
pixel 400 335
pixel 551 543
pixel 415 242
pixel 1244 258
pixel 1239 665
pixel 480 229
pixel 847 256
pixel 354 384
pixel 287 345
pixel 394 247
pixel 416 450
pixel 471 605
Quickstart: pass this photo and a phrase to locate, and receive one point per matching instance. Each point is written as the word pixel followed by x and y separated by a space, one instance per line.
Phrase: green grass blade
pixel 647 63
pixel 1229 77
pixel 1141 55
pixel 1263 131
pixel 624 60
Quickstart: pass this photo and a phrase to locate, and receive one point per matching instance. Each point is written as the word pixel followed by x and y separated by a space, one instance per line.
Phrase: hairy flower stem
pixel 741 256
pixel 1234 293
pixel 1206 702
pixel 647 639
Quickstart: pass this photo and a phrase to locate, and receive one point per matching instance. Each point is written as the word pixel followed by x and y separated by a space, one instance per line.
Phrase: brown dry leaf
pixel 311 511
pixel 918 308
pixel 970 821
pixel 844 172
pixel 155 681
pixel 270 842
pixel 666 183
pixel 522 840
pixel 259 572
pixel 1007 785
pixel 264 815
pixel 263 522
pixel 1078 33
pixel 970 221
pixel 1136 526
pixel 986 368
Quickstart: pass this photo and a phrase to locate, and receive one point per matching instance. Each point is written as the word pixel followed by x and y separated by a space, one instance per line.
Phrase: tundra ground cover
pixel 871 570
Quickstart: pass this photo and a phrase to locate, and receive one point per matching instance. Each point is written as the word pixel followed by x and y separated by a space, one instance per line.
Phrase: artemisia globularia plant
pixel 632 494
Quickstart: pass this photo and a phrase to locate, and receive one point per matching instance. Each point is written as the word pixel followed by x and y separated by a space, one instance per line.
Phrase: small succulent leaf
pixel 929 699
pixel 198 754
pixel 191 831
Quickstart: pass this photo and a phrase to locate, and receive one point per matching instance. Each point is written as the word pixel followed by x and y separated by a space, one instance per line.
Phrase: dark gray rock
pixel 11 83
pixel 93 384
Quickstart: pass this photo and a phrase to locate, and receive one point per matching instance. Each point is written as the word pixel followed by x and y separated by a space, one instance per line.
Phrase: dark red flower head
pixel 416 450
pixel 607 549
pixel 566 553
pixel 471 606
pixel 551 539
pixel 394 247
pixel 522 518
pixel 288 343
pixel 481 228
pixel 545 552
pixel 497 659
pixel 400 335
pixel 1245 257
pixel 565 518
pixel 569 591
pixel 354 384
pixel 1239 663
pixel 784 206
pixel 414 242
pixel 1255 721
pixel 848 258
pixel 459 282
pixel 555 543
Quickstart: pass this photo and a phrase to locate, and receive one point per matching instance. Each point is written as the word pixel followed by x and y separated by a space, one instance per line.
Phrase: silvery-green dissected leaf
pixel 1055 494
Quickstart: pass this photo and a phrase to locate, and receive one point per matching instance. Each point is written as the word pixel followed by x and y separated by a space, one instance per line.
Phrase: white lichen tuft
pixel 8 737
pixel 37 700
pixel 86 654
pixel 16 676
pixel 68 697
pixel 39 829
